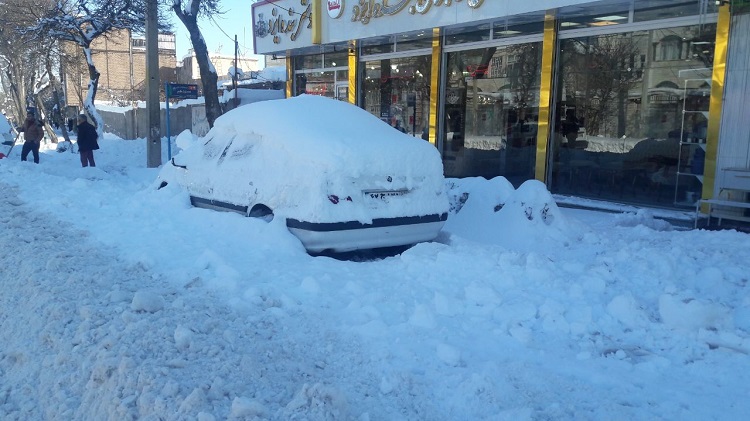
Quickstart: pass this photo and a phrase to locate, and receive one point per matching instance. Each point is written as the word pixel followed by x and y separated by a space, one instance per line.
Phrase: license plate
pixel 383 194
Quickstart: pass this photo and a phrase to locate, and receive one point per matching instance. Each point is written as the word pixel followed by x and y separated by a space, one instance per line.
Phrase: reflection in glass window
pixel 398 92
pixel 414 41
pixel 670 48
pixel 665 9
pixel 336 59
pixel 312 61
pixel 380 45
pixel 620 132
pixel 491 112
pixel 618 13
pixel 476 33
pixel 323 83
pixel 312 79
pixel 504 30
pixel 604 15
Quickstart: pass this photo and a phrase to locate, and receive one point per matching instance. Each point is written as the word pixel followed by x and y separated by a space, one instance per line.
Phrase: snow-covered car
pixel 6 131
pixel 342 179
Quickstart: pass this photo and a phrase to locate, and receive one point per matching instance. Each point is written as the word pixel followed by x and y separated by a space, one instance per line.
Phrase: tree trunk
pixel 55 116
pixel 45 121
pixel 59 104
pixel 209 77
pixel 622 106
pixel 88 103
pixel 17 91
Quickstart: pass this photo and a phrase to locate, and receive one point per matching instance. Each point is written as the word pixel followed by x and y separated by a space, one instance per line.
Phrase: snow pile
pixel 516 219
pixel 273 73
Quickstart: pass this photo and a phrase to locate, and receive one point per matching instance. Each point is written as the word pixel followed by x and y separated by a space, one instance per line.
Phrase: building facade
pixel 120 58
pixel 615 100
pixel 188 72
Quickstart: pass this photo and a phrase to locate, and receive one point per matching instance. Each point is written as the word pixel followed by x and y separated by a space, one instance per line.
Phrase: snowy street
pixel 120 301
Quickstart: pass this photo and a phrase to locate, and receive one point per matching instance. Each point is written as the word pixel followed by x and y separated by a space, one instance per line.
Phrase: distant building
pixel 121 59
pixel 189 72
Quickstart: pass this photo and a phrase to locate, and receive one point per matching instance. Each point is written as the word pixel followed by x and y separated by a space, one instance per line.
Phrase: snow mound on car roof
pixel 307 123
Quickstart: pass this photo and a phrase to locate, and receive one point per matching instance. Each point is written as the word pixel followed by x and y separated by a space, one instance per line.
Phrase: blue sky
pixel 219 33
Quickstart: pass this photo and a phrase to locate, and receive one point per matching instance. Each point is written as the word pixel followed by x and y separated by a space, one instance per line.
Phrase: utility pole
pixel 153 141
pixel 234 76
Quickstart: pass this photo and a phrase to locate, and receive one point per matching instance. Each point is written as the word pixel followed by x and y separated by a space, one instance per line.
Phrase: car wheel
pixel 261 211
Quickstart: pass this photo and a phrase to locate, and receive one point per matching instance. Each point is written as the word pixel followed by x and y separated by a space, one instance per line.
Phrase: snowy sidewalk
pixel 86 336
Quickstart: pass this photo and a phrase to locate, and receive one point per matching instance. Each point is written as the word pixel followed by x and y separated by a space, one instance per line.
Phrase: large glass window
pixel 665 9
pixel 462 35
pixel 322 74
pixel 619 12
pixel 491 112
pixel 398 92
pixel 513 26
pixel 631 115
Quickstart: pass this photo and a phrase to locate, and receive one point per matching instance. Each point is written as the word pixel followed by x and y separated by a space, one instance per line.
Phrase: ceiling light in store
pixel 603 23
pixel 508 32
pixel 334 64
pixel 611 18
pixel 569 24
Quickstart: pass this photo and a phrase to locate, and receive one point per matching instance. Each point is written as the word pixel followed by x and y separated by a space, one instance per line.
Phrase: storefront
pixel 614 100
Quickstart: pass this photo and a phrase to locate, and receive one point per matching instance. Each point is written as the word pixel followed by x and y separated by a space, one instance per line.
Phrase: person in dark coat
pixel 33 133
pixel 86 141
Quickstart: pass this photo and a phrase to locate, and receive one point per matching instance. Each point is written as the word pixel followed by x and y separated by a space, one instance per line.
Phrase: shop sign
pixel 366 10
pixel 182 91
pixel 335 8
pixel 284 21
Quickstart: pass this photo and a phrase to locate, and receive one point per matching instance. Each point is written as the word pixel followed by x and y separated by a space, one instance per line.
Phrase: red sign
pixel 335 8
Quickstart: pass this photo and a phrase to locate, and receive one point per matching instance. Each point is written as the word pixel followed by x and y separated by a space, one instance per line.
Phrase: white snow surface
pixel 248 96
pixel 121 302
pixel 273 73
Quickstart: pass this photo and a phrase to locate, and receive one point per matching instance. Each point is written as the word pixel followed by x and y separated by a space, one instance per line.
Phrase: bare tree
pixel 19 58
pixel 524 74
pixel 54 59
pixel 603 72
pixel 81 22
pixel 188 12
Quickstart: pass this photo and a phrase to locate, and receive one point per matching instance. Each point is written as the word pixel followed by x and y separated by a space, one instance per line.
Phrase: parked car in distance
pixel 6 131
pixel 343 179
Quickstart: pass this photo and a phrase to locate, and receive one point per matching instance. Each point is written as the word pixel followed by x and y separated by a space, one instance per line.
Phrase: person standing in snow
pixel 86 141
pixel 32 135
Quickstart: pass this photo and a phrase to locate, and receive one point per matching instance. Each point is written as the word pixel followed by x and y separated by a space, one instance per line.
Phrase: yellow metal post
pixel 437 51
pixel 353 63
pixel 549 47
pixel 715 107
pixel 289 75
pixel 316 22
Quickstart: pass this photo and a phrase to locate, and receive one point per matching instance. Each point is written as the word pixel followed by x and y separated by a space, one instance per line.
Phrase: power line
pixel 227 35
